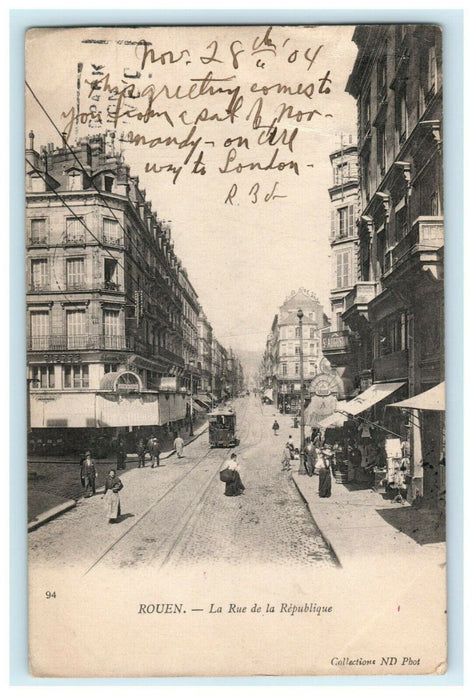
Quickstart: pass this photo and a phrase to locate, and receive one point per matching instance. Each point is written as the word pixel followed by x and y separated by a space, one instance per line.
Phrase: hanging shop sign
pixel 325 384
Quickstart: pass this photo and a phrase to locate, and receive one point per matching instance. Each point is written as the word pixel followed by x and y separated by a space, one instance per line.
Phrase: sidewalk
pixel 49 497
pixel 359 523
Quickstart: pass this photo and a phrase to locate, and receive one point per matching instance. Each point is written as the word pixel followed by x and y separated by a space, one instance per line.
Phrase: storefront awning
pixel 430 400
pixel 336 419
pixel 202 401
pixel 268 394
pixel 370 397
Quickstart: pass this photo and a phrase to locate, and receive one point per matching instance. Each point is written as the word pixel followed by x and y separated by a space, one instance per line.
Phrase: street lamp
pixel 300 316
pixel 191 432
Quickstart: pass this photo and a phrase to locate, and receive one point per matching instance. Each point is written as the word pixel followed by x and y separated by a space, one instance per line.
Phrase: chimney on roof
pixel 31 137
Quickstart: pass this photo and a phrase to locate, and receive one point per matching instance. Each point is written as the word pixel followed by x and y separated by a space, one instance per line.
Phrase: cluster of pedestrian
pixel 88 470
pixel 151 447
pixel 316 458
pixel 88 477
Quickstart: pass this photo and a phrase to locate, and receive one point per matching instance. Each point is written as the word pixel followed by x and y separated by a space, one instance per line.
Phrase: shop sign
pixel 324 385
pixel 61 358
pixel 127 387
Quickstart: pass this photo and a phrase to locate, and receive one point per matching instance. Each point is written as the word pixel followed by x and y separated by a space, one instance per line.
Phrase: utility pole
pixel 300 315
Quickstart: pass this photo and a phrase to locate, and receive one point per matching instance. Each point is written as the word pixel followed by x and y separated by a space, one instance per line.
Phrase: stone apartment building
pixel 396 305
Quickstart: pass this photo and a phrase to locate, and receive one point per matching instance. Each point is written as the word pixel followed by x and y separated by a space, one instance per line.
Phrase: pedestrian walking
pixel 275 427
pixel 231 477
pixel 179 446
pixel 141 452
pixel 286 458
pixel 113 486
pixel 290 444
pixel 154 453
pixel 88 474
pixel 325 481
pixel 121 454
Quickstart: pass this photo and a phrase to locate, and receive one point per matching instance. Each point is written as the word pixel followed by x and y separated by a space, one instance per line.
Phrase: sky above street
pixel 234 126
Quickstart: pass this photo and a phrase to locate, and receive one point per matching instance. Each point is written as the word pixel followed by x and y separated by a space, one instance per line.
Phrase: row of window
pixel 287 332
pixel 40 269
pixel 296 369
pixel 310 347
pixel 76 323
pixel 428 87
pixel 75 231
pixel 72 377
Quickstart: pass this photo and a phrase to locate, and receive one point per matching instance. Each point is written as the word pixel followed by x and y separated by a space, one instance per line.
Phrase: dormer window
pixel 108 183
pixel 36 183
pixel 74 180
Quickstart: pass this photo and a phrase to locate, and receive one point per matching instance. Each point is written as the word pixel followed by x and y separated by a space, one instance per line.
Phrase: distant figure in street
pixel 141 452
pixel 286 458
pixel 179 446
pixel 231 477
pixel 290 444
pixel 325 481
pixel 121 454
pixel 112 500
pixel 275 427
pixel 310 457
pixel 88 474
pixel 154 452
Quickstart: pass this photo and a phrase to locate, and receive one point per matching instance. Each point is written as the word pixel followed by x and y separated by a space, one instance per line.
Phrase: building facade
pixel 396 305
pixel 283 349
pixel 112 317
pixel 339 343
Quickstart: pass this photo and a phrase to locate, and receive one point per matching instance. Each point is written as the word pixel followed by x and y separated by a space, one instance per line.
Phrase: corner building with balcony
pixel 284 348
pixel 397 303
pixel 338 344
pixel 111 313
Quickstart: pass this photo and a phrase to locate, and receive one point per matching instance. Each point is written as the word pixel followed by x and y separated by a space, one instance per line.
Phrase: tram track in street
pixel 190 508
pixel 189 524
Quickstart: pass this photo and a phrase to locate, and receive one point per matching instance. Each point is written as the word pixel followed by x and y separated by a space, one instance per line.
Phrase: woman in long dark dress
pixel 231 476
pixel 112 500
pixel 325 480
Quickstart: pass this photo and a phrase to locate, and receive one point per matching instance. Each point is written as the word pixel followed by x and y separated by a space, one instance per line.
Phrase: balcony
pixel 80 342
pixel 420 246
pixel 39 287
pixel 114 241
pixel 77 286
pixel 72 239
pixel 356 303
pixel 38 240
pixel 109 286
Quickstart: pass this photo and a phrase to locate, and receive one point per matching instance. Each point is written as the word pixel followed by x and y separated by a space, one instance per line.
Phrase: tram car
pixel 222 428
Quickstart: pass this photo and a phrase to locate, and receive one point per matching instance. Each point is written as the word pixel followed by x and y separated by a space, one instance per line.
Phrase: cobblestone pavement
pixel 177 514
pixel 269 523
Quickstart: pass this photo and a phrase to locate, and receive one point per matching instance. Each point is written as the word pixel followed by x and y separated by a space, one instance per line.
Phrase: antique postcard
pixel 235 351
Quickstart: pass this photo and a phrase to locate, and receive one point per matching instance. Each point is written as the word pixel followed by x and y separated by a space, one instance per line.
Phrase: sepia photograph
pixel 235 350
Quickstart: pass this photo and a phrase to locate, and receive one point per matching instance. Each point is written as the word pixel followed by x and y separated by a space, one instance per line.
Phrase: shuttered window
pixel 39 273
pixel 75 273
pixel 343 269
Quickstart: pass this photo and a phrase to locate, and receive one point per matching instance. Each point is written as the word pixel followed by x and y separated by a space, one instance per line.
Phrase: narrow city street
pixel 178 514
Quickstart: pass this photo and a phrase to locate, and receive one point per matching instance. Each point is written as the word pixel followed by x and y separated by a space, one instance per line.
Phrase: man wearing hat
pixel 88 474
